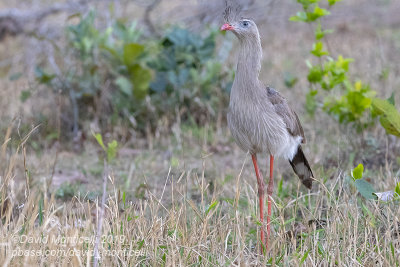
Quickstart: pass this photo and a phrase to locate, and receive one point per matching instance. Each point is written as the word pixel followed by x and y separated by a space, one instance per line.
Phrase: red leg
pixel 260 183
pixel 269 193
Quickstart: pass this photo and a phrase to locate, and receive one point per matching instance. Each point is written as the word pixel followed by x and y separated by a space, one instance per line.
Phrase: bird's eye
pixel 245 23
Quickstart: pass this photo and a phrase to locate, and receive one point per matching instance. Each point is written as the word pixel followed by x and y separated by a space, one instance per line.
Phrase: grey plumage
pixel 286 113
pixel 259 118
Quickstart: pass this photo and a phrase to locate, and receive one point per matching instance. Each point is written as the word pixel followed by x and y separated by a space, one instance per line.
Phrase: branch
pixel 147 18
pixel 15 21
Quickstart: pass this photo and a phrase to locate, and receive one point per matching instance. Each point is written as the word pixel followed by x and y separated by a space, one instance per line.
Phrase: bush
pixel 116 71
pixel 353 100
pixel 188 75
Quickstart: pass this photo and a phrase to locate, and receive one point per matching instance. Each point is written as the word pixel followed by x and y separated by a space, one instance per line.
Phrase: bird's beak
pixel 227 27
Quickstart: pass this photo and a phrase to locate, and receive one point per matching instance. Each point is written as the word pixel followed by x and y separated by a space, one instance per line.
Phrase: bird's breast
pixel 257 128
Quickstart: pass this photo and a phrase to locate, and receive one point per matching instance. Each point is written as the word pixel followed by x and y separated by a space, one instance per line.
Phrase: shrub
pixel 188 75
pixel 141 79
pixel 352 100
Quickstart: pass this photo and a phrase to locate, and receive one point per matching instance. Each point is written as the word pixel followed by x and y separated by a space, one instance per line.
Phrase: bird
pixel 260 118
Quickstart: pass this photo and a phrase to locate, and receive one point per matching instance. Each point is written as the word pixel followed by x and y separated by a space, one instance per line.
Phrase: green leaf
pixel 352 106
pixel 304 256
pixel 41 211
pixel 25 94
pixel 211 207
pixel 343 62
pixel 318 49
pixel 174 162
pixel 381 106
pixel 392 250
pixel 319 12
pixel 310 16
pixel 321 250
pixel 140 78
pixel 391 99
pixel 42 76
pixel 15 76
pixel 140 244
pixel 110 50
pixel 319 33
pixel 315 74
pixel 87 45
pixel 131 52
pixel 357 172
pixel 99 139
pixel 389 116
pixel 112 150
pixel 124 198
pixel 280 188
pixel 397 189
pixel 159 84
pixel 332 2
pixel 365 189
pixel 124 85
pixel 358 101
pixel 389 127
pixel 300 16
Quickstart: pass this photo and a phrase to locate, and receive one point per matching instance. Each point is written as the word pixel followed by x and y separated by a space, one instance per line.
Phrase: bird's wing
pixel 288 116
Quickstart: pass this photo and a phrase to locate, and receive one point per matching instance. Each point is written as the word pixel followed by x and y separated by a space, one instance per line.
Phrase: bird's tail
pixel 302 168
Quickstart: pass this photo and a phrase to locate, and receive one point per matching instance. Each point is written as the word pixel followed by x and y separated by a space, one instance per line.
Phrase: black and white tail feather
pixel 299 161
pixel 302 168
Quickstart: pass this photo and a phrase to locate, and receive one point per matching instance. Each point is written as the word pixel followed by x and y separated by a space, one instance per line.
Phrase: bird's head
pixel 243 28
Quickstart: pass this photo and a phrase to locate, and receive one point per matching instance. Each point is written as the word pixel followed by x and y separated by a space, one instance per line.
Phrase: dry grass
pixel 196 214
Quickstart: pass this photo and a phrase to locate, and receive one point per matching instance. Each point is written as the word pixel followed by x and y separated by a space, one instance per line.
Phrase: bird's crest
pixel 232 11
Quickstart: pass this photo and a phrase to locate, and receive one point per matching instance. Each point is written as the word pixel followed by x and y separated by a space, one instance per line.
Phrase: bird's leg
pixel 260 183
pixel 269 193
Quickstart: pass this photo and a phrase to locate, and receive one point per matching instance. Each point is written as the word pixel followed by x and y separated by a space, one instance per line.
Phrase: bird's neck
pixel 249 60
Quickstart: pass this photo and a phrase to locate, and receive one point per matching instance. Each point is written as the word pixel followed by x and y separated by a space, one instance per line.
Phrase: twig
pixel 14 21
pixel 100 221
pixel 147 18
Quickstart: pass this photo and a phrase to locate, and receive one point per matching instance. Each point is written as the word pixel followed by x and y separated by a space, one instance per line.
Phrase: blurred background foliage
pixel 129 76
pixel 117 75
